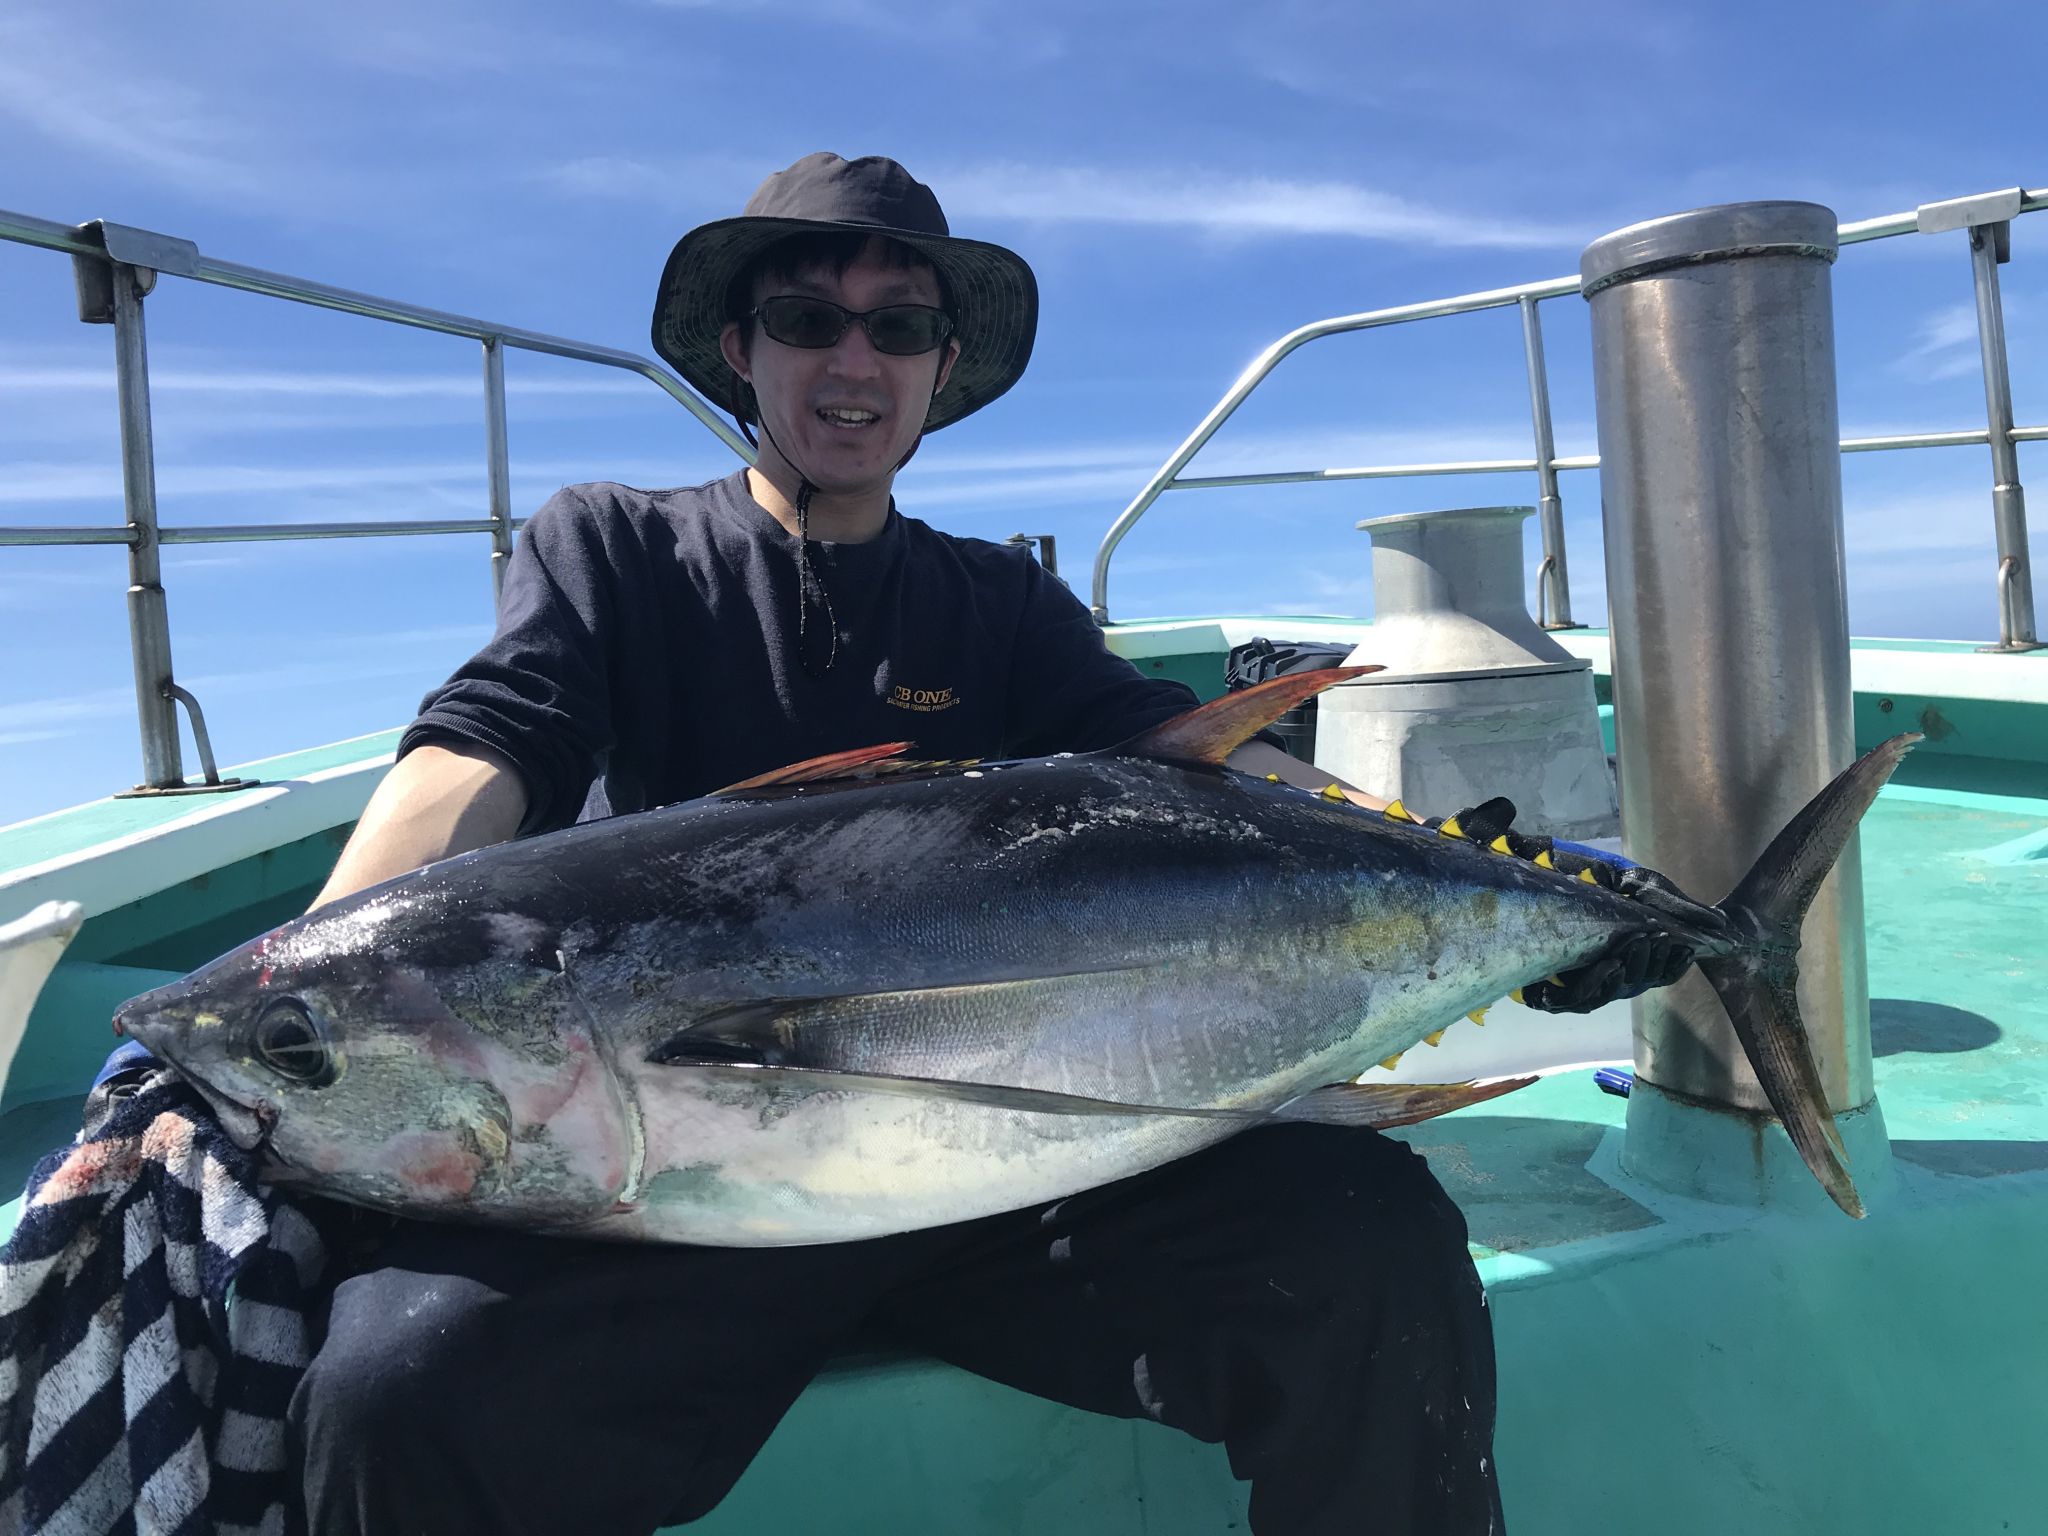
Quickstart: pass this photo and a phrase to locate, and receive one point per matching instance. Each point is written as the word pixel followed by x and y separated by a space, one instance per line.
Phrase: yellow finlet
pixel 1557 981
pixel 1435 1039
pixel 1450 827
pixel 1478 1015
pixel 1515 995
pixel 1500 844
pixel 1332 792
pixel 1396 811
pixel 1393 1061
pixel 1543 860
pixel 1587 876
pixel 1272 778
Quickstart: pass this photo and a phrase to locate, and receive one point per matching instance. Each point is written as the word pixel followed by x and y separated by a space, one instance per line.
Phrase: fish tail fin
pixel 1757 981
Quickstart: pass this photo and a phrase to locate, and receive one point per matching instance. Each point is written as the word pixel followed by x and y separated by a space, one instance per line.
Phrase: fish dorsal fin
pixel 1212 731
pixel 812 770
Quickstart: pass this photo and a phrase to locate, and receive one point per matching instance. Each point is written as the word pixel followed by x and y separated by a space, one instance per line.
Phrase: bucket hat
pixel 993 295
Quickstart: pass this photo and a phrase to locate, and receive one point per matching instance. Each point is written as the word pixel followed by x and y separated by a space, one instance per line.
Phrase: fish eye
pixel 292 1045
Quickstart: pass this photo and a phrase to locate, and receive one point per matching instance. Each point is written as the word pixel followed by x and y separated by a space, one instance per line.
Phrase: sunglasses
pixel 901 330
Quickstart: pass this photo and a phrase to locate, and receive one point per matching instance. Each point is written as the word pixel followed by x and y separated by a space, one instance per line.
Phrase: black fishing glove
pixel 1636 963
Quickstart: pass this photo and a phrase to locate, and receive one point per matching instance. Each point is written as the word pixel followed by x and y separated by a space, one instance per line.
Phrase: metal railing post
pixel 498 457
pixel 1553 577
pixel 149 623
pixel 1989 245
pixel 1166 477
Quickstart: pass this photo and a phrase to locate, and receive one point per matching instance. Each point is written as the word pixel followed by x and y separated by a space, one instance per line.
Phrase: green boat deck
pixel 1667 1365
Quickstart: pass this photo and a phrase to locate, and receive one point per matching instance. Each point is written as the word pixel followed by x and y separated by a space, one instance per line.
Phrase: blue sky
pixel 1190 181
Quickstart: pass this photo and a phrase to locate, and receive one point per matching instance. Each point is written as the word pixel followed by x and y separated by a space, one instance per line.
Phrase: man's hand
pixel 435 803
pixel 1635 965
pixel 1637 962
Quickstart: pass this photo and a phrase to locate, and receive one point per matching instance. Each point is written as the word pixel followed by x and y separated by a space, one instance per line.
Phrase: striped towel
pixel 133 1397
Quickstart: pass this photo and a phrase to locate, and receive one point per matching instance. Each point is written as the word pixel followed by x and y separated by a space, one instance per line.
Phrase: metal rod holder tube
pixel 2008 499
pixel 149 625
pixel 498 459
pixel 1556 596
pixel 207 770
pixel 1714 388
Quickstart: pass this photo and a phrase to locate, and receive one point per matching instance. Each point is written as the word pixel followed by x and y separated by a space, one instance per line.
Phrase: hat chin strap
pixel 807 575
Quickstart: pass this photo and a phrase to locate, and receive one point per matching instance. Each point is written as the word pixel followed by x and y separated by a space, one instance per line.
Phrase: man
pixel 1300 1294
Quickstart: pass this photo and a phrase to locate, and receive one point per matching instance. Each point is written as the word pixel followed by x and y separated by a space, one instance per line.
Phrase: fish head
pixel 405 1056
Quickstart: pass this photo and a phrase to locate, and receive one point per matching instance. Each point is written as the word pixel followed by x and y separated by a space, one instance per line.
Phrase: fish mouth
pixel 248 1126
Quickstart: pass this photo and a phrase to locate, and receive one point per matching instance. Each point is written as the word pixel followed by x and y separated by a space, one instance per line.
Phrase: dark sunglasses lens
pixel 801 322
pixel 907 329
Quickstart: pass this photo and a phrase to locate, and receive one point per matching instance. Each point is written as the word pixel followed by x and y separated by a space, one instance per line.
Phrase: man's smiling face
pixel 843 415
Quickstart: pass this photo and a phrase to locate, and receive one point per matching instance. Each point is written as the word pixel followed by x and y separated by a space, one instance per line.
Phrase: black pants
pixel 1300 1294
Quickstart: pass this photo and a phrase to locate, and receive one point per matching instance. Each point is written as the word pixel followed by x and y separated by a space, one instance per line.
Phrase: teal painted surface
pixel 98 821
pixel 1984 746
pixel 70 1029
pixel 1200 670
pixel 1744 1159
pixel 1784 1376
pixel 1667 1365
pixel 187 924
pixel 2021 850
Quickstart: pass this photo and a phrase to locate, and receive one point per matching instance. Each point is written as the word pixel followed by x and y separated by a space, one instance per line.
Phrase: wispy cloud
pixel 370 386
pixel 1901 531
pixel 58 81
pixel 956 28
pixel 1058 472
pixel 1239 207
pixel 1945 344
pixel 1224 207
pixel 1114 472
pixel 29 482
pixel 351 659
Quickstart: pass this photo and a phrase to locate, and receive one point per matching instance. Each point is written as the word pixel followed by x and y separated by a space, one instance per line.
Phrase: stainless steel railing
pixel 117 267
pixel 1987 220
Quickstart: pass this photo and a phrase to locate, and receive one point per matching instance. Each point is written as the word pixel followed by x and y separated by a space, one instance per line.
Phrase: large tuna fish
pixel 846 1000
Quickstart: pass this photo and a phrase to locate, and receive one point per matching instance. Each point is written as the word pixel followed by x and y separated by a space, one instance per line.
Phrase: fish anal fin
pixel 813 770
pixel 1211 732
pixel 1378 1106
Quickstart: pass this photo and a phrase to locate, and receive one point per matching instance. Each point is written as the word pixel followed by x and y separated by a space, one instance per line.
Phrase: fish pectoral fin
pixel 1380 1105
pixel 1042 1101
pixel 689 1050
pixel 818 1031
pixel 1211 732
pixel 1366 1105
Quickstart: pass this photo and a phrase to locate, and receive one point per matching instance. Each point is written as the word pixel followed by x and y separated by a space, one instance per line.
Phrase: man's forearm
pixel 436 802
pixel 1263 758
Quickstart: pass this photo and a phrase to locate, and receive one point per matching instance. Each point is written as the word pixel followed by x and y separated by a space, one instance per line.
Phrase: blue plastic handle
pixel 1615 1080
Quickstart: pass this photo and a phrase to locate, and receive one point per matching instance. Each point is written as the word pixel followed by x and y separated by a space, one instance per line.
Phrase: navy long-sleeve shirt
pixel 647 652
